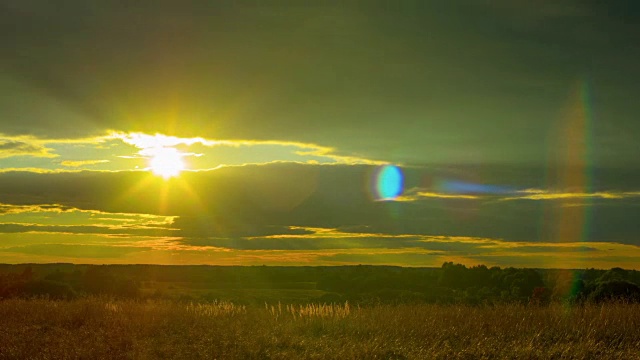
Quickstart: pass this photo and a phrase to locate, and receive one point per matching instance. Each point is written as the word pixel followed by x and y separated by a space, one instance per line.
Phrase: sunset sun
pixel 166 162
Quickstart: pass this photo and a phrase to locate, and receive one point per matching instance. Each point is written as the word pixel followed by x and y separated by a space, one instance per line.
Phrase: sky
pixel 497 132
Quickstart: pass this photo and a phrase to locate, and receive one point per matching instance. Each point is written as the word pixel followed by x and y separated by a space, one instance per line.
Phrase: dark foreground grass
pixel 103 329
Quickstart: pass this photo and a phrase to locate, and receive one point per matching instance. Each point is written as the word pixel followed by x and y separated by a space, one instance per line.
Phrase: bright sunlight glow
pixel 166 162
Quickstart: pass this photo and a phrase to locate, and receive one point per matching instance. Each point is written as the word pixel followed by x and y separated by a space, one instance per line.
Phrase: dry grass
pixel 103 329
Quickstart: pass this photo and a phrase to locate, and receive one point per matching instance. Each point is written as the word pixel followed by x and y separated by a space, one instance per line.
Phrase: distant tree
pixel 616 290
pixel 613 274
pixel 479 276
pixel 521 282
pixel 52 289
pixel 453 276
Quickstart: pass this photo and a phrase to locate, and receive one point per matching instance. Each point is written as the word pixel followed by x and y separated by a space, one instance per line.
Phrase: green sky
pixel 513 122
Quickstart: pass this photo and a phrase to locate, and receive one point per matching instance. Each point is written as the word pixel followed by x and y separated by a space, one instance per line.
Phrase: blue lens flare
pixel 389 182
pixel 460 187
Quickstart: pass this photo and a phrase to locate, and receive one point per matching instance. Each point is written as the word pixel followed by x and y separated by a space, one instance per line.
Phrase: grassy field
pixel 106 329
pixel 187 291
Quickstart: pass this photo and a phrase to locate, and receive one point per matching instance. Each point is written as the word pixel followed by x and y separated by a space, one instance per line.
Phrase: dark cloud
pixel 430 82
pixel 262 200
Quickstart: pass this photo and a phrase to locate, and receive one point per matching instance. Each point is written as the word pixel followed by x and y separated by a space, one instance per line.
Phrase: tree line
pixel 364 284
pixel 59 284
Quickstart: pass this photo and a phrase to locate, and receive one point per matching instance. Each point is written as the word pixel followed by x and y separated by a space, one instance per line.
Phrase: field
pixel 100 328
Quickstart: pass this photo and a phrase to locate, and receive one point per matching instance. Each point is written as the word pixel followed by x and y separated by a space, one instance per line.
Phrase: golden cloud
pixel 78 163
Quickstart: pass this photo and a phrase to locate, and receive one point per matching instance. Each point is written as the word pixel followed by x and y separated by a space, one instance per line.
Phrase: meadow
pixel 106 328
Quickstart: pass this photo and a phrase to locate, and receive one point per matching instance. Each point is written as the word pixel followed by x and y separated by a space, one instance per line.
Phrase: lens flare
pixel 389 182
pixel 570 146
pixel 461 187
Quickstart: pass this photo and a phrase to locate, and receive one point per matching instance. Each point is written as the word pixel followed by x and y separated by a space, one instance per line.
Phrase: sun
pixel 166 162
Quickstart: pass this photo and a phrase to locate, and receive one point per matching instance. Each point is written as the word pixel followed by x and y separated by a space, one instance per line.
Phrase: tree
pixel 613 274
pixel 453 276
pixel 52 289
pixel 616 290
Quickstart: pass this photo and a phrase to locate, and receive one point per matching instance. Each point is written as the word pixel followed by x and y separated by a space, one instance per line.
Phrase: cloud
pixel 79 252
pixel 423 195
pixel 535 194
pixel 60 219
pixel 120 151
pixel 84 229
pixel 317 76
pixel 289 199
pixel 24 211
pixel 303 151
pixel 318 246
pixel 418 194
pixel 13 147
pixel 18 209
pixel 79 163
pixel 35 170
pixel 352 246
pixel 300 242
